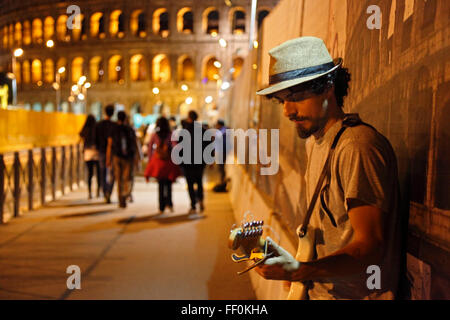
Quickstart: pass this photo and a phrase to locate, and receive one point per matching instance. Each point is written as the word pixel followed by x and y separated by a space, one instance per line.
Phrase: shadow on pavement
pixel 164 218
pixel 86 214
pixel 72 204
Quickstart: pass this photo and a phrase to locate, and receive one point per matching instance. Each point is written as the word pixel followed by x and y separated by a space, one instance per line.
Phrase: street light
pixel 16 53
pixel 50 43
pixel 223 43
pixel 81 80
pixel 57 87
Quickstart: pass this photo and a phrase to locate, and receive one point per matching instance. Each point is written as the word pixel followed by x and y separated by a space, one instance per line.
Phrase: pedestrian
pixel 172 123
pixel 103 131
pixel 160 165
pixel 221 149
pixel 135 163
pixel 90 153
pixel 122 150
pixel 194 167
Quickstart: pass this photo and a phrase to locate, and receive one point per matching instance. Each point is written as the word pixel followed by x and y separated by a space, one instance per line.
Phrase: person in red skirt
pixel 160 165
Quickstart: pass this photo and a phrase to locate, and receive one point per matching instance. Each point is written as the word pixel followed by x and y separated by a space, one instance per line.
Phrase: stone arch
pixel 186 68
pixel 185 20
pixel 237 20
pixel 210 21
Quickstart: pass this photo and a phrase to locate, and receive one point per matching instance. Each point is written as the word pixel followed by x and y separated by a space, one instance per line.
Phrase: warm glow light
pixel 61 70
pixel 74 88
pixel 71 99
pixel 87 85
pixel 81 80
pixel 81 96
pixel 155 90
pixel 255 66
pixel 223 43
pixel 18 52
pixel 216 77
pixel 184 87
pixel 50 44
pixel 208 99
pixel 217 64
pixel 55 85
pixel 189 100
pixel 255 44
pixel 214 34
pixel 225 85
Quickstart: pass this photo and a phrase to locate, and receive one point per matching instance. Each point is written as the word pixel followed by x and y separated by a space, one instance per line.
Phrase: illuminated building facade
pixel 139 54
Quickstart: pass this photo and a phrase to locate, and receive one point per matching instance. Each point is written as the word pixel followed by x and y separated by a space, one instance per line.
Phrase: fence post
pixel 78 165
pixel 53 176
pixel 71 167
pixel 2 187
pixel 63 169
pixel 16 169
pixel 43 175
pixel 30 179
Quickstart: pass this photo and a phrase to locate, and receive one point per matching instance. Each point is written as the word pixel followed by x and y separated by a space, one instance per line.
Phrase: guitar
pixel 248 239
pixel 305 253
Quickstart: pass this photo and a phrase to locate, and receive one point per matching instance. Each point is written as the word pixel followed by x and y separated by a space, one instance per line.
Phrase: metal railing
pixel 31 178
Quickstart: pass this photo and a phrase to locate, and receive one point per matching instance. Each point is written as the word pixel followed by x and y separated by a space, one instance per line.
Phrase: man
pixel 221 142
pixel 122 150
pixel 355 223
pixel 135 163
pixel 104 130
pixel 193 171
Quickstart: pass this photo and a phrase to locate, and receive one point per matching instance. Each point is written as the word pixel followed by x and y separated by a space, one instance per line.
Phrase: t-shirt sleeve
pixel 363 174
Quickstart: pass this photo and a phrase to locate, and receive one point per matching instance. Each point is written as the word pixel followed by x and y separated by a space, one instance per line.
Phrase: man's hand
pixel 281 266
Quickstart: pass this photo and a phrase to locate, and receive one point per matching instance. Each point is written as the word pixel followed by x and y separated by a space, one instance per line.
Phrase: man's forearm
pixel 352 259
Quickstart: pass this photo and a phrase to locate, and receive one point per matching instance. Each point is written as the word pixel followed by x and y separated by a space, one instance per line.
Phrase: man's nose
pixel 288 110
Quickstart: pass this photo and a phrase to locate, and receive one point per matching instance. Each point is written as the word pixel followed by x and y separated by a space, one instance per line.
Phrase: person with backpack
pixel 104 130
pixel 160 165
pixel 122 147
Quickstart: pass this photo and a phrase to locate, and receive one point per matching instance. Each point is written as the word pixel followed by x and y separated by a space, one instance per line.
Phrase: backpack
pixel 125 142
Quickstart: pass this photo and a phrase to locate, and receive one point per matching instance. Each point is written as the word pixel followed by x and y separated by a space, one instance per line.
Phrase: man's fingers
pixel 278 248
pixel 276 260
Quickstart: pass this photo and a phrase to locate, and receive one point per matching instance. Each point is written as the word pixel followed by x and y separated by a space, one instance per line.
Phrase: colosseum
pixel 144 56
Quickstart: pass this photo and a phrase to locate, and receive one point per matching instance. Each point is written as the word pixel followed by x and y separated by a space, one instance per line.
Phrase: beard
pixel 317 123
pixel 306 133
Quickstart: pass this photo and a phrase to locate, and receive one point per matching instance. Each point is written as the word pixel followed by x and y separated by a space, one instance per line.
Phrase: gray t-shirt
pixel 363 167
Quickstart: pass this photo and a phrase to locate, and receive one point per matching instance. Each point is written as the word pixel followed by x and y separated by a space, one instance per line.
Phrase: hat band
pixel 300 73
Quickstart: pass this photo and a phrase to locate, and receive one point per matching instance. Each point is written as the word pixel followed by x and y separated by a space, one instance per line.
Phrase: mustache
pixel 294 117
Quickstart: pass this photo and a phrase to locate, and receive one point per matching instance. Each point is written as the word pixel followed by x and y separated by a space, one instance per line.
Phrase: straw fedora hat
pixel 297 61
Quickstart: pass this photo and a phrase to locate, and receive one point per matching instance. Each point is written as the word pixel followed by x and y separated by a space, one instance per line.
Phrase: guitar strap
pixel 350 120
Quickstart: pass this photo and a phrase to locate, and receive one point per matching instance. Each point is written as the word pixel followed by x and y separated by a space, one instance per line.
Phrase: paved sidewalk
pixel 131 253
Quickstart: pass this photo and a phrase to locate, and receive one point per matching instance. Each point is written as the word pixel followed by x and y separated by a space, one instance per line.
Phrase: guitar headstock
pixel 248 237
